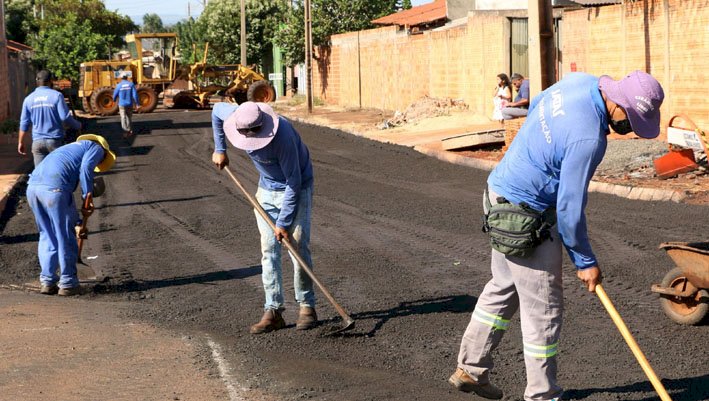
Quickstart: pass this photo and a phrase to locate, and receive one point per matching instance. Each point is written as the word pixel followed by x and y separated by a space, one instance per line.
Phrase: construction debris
pixel 425 107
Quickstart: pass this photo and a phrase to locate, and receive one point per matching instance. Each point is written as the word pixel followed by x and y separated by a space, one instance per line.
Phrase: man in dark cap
pixel 543 181
pixel 45 111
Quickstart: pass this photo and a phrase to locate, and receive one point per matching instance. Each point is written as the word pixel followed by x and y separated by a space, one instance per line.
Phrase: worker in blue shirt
pixel 285 191
pixel 547 171
pixel 45 112
pixel 50 196
pixel 128 102
pixel 518 107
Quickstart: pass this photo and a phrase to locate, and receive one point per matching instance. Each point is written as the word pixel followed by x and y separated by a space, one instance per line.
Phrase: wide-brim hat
pixel 109 157
pixel 641 96
pixel 251 126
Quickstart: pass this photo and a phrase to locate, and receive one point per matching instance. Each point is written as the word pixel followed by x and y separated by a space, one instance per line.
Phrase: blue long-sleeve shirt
pixel 554 156
pixel 126 94
pixel 283 165
pixel 65 167
pixel 45 111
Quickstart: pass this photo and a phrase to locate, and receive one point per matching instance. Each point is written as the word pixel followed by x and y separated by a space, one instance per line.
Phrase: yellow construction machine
pixel 153 64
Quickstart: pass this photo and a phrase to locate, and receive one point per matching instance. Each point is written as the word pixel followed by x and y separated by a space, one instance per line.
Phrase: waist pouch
pixel 516 230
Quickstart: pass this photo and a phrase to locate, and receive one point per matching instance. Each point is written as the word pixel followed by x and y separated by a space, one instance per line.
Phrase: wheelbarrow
pixel 684 292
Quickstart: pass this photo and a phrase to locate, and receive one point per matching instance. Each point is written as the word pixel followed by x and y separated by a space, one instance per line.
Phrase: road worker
pixel 127 97
pixel 45 112
pixel 285 192
pixel 534 203
pixel 50 196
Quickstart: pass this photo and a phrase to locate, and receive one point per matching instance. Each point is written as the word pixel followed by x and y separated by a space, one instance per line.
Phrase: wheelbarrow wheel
pixel 683 310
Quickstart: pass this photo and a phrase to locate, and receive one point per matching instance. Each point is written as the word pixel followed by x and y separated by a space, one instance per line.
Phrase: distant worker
pixel 50 194
pixel 46 112
pixel 518 108
pixel 534 203
pixel 285 191
pixel 128 102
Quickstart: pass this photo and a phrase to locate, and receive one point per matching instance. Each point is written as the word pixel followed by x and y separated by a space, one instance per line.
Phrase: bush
pixel 9 126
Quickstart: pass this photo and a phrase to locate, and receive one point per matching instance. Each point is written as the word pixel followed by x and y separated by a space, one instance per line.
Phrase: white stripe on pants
pixel 533 285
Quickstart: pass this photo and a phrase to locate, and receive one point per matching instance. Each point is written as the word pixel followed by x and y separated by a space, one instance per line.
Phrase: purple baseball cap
pixel 251 126
pixel 640 95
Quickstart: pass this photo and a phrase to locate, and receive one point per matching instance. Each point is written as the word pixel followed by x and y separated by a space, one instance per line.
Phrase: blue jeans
pixel 272 275
pixel 56 216
pixel 42 147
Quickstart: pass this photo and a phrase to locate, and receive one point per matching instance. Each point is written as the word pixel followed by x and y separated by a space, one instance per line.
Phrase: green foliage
pixel 329 17
pixel 62 47
pixel 190 34
pixel 9 126
pixel 152 23
pixel 18 17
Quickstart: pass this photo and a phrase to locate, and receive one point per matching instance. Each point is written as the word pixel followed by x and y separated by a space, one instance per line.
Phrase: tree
pixel 61 48
pixel 152 23
pixel 191 39
pixel 330 17
pixel 18 14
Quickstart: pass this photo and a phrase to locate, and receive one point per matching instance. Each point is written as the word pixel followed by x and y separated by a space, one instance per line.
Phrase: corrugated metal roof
pixel 416 15
pixel 17 46
pixel 596 2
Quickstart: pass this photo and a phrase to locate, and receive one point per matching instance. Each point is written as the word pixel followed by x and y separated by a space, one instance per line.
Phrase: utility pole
pixel 542 59
pixel 308 58
pixel 243 32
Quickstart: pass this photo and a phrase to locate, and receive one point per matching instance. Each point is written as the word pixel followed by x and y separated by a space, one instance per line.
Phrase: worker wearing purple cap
pixel 544 178
pixel 285 191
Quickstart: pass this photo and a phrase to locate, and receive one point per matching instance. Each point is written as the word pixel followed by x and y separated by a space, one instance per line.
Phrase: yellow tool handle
pixel 659 388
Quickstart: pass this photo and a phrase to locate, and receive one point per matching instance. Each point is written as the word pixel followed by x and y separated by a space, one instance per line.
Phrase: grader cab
pixel 153 65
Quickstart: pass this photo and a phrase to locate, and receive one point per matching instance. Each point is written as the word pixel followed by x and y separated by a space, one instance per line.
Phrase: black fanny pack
pixel 516 230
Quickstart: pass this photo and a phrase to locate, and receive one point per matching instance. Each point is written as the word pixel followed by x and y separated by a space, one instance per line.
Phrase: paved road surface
pixel 396 238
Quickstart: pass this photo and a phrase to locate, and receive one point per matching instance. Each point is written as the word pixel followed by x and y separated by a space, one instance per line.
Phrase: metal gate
pixel 519 57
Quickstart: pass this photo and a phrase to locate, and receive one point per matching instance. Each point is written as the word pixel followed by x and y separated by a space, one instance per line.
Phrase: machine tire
pixel 689 311
pixel 147 99
pixel 261 91
pixel 86 105
pixel 102 102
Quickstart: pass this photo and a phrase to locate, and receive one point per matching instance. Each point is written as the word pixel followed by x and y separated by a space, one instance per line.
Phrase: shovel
pixel 349 322
pixel 649 372
pixel 84 221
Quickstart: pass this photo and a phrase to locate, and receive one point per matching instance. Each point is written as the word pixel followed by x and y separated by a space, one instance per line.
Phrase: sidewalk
pixel 12 167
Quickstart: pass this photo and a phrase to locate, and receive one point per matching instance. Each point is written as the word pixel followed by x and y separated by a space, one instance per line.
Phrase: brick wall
pixel 388 69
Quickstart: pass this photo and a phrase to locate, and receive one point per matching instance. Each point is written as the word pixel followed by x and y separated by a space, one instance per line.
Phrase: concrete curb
pixel 623 191
pixel 9 186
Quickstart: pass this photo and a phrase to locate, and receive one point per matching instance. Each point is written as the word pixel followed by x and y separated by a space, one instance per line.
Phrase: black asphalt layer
pixel 396 238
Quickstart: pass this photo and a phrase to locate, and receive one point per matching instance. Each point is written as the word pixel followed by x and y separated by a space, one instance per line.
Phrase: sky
pixel 170 11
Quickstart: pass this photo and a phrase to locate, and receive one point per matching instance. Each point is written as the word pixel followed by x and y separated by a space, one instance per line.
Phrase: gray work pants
pixel 126 117
pixel 533 285
pixel 42 147
pixel 509 113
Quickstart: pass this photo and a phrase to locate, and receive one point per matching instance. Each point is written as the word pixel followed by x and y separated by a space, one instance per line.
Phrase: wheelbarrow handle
pixel 303 264
pixel 634 347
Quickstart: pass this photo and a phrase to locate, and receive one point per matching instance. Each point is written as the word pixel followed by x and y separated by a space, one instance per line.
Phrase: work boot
pixel 49 289
pixel 271 320
pixel 307 319
pixel 463 382
pixel 70 291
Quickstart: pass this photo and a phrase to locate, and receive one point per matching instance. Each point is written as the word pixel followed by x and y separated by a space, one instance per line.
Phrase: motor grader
pixel 153 65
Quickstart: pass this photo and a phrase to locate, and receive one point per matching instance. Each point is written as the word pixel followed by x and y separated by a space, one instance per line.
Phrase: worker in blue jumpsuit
pixel 548 169
pixel 127 97
pixel 45 112
pixel 50 196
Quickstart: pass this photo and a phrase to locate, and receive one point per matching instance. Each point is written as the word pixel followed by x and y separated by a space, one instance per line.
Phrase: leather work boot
pixel 48 289
pixel 307 319
pixel 69 292
pixel 271 320
pixel 463 382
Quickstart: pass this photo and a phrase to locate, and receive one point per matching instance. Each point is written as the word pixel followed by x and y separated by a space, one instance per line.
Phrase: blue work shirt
pixel 69 164
pixel 126 94
pixel 554 156
pixel 284 164
pixel 523 92
pixel 45 111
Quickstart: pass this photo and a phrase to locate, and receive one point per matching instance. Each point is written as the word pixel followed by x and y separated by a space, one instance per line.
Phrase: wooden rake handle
pixel 649 372
pixel 303 264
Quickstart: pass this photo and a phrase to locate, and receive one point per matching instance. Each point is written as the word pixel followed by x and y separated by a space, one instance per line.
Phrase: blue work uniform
pixel 50 195
pixel 549 165
pixel 126 94
pixel 46 112
pixel 285 193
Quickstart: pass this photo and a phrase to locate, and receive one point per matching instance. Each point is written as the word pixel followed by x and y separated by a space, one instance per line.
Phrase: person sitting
pixel 519 107
pixel 503 94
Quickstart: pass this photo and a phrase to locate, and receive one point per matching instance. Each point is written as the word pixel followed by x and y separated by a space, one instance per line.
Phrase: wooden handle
pixel 291 249
pixel 649 372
